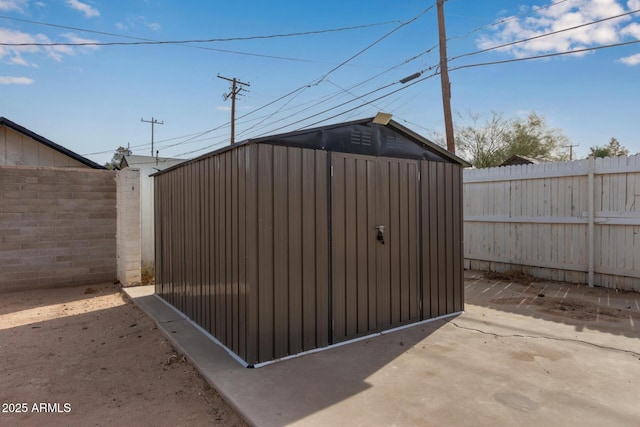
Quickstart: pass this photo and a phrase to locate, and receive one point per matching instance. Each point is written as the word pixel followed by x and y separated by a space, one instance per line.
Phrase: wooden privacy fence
pixel 572 221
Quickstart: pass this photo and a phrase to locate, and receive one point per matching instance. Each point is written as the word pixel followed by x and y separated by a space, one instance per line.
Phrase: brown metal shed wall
pixel 442 256
pixel 243 248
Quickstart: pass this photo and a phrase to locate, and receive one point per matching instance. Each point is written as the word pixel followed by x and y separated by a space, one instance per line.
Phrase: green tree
pixel 493 141
pixel 612 149
pixel 114 163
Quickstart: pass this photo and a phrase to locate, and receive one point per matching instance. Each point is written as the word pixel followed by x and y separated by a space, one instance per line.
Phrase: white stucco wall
pixel 147 166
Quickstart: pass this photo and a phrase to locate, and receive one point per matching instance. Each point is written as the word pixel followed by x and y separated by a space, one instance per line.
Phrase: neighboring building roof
pixel 42 140
pixel 364 136
pixel 159 163
pixel 519 160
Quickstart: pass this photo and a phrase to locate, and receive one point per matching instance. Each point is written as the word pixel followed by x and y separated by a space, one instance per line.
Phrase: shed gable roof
pixel 360 137
pixel 366 137
pixel 42 140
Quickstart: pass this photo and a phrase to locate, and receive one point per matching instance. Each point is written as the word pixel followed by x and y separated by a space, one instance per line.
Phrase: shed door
pixel 375 244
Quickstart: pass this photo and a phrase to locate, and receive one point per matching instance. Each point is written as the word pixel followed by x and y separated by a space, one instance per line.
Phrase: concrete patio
pixel 526 354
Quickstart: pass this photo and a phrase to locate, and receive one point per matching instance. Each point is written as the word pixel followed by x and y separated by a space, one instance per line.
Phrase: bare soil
pixel 572 301
pixel 87 356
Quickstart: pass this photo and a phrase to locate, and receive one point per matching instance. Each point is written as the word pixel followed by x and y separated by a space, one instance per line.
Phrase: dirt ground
pixel 86 356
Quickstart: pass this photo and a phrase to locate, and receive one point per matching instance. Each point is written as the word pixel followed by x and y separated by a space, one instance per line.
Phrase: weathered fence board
pixel 543 220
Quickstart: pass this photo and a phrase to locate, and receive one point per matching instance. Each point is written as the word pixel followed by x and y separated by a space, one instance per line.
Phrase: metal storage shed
pixel 294 242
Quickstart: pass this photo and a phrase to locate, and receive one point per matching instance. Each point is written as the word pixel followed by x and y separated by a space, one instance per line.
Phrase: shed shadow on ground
pixel 601 309
pixel 288 391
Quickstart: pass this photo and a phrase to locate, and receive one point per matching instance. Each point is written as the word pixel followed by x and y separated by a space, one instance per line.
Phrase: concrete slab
pixel 522 354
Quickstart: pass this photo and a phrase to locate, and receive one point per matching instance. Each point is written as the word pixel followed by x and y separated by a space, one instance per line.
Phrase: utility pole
pixel 153 122
pixel 235 90
pixel 444 78
pixel 571 151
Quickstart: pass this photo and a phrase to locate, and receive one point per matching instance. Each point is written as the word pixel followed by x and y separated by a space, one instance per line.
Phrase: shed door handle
pixel 380 234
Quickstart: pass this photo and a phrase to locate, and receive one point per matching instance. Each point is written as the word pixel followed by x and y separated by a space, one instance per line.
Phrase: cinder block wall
pixel 57 227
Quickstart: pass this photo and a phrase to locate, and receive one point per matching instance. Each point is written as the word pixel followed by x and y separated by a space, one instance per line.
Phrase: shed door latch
pixel 380 235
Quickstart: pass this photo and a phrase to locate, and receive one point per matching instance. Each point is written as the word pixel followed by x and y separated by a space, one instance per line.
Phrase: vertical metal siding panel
pixel 171 242
pixel 458 256
pixel 187 241
pixel 179 242
pixel 253 256
pixel 295 249
pixel 197 242
pixel 281 252
pixel 220 240
pixel 322 248
pixel 242 253
pixel 308 251
pixel 265 245
pixel 414 243
pixel 228 286
pixel 235 294
pixel 449 227
pixel 433 225
pixel 206 239
pixel 163 212
pixel 176 230
pixel 351 254
pixel 372 245
pixel 442 239
pixel 339 256
pixel 213 244
pixel 157 236
pixel 384 251
pixel 404 241
pixel 393 238
pixel 167 210
pixel 364 236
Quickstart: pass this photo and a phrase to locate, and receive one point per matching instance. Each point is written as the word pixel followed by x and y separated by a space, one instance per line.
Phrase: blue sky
pixel 90 99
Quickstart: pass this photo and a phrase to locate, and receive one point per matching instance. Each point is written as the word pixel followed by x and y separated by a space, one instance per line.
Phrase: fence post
pixel 590 227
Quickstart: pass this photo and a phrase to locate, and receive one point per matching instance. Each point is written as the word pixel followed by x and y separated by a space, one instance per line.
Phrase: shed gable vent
pixel 360 136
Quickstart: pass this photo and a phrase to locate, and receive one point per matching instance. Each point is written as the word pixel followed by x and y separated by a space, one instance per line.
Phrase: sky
pixel 85 73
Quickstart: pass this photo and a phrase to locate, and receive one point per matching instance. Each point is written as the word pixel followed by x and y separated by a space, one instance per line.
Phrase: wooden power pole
pixel 444 78
pixel 235 90
pixel 153 123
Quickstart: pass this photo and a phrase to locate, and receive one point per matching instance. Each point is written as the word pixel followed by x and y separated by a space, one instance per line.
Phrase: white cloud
pixel 223 108
pixel 12 5
pixel 8 80
pixel 631 60
pixel 632 30
pixel 73 38
pixel 135 21
pixel 633 4
pixel 552 17
pixel 153 26
pixel 89 11
pixel 15 55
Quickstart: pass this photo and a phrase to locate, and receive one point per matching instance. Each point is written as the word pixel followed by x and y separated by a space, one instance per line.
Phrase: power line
pixel 504 20
pixel 544 35
pixel 376 42
pixel 296 91
pixel 548 55
pixel 175 42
